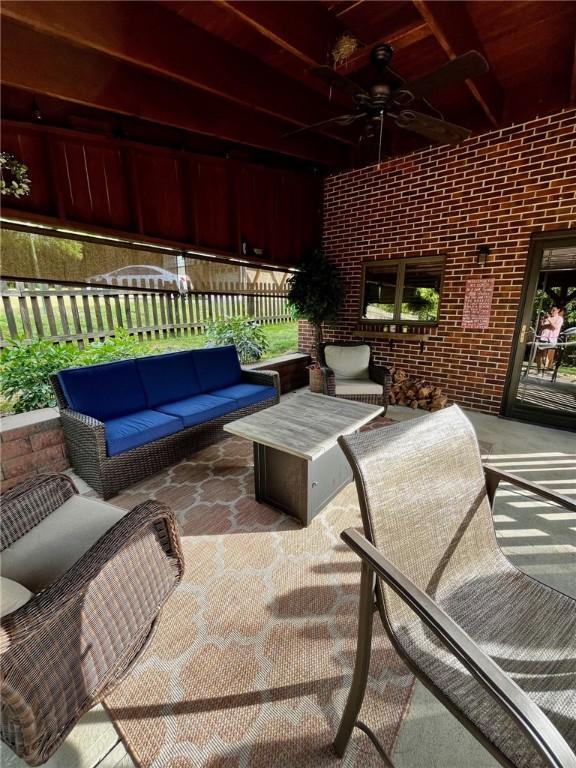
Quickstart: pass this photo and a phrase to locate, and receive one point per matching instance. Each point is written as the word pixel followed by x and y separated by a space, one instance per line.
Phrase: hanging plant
pixel 15 181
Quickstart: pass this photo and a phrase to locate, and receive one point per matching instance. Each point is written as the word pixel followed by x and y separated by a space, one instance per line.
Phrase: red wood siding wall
pixel 175 196
pixel 494 189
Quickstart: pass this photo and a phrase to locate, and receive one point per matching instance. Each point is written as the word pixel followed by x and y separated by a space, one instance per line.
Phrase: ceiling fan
pixel 390 96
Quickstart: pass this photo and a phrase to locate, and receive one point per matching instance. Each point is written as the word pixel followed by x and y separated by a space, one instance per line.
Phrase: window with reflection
pixel 403 291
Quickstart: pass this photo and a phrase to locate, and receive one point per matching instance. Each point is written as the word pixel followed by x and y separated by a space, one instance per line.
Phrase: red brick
pixel 497 188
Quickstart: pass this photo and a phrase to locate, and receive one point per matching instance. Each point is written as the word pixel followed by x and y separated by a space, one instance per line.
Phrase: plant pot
pixel 316 380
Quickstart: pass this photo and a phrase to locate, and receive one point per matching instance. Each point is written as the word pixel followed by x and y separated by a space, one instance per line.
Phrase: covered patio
pixel 288 384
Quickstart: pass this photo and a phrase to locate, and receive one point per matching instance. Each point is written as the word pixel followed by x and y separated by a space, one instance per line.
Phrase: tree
pixel 316 293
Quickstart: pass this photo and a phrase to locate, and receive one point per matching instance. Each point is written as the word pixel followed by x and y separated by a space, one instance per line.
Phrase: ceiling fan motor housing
pixel 381 55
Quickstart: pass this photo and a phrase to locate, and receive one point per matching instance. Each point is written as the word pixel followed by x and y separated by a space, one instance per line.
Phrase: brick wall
pixel 31 443
pixel 493 189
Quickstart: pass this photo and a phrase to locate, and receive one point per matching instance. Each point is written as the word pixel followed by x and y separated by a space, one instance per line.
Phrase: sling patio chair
pixel 495 646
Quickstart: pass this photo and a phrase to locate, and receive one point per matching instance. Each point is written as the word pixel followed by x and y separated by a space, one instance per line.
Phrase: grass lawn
pixel 282 338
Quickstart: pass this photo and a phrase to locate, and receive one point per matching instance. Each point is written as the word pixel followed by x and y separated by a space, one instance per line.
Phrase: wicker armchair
pixel 349 372
pixel 71 643
pixel 495 646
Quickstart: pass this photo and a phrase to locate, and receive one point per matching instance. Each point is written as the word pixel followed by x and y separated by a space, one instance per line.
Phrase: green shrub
pixel 25 370
pixel 247 336
pixel 118 347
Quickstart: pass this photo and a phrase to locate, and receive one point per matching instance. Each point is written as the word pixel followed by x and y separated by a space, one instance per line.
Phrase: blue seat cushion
pixel 104 391
pixel 139 428
pixel 168 377
pixel 198 409
pixel 217 367
pixel 246 394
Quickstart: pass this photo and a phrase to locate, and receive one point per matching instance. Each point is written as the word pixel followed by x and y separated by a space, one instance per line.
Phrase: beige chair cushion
pixel 348 362
pixel 359 387
pixel 47 551
pixel 12 596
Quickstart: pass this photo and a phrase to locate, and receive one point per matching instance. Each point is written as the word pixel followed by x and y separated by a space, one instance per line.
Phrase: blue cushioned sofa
pixel 124 421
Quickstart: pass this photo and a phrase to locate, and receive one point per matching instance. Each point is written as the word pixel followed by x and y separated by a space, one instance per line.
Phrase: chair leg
pixel 362 664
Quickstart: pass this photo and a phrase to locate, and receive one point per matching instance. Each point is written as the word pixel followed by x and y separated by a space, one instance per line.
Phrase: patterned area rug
pixel 252 661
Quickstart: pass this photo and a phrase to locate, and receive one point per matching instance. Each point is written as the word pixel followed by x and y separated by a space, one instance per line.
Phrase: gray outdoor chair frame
pixel 411 596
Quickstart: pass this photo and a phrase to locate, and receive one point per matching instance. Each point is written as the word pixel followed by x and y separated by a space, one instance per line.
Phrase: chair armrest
pixel 327 372
pixel 82 419
pixel 381 375
pixel 518 705
pixel 28 503
pixel 44 609
pixel 328 380
pixel 494 475
pixel 267 378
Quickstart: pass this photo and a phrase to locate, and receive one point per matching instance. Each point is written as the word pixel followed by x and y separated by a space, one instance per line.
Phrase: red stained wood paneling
pixel 32 150
pixel 255 204
pixel 176 197
pixel 92 181
pixel 158 189
pixel 210 202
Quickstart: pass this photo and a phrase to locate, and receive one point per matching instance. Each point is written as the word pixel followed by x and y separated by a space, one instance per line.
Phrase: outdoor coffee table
pixel 298 464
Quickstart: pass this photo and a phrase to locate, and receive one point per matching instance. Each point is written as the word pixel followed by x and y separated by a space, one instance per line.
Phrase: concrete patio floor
pixel 535 535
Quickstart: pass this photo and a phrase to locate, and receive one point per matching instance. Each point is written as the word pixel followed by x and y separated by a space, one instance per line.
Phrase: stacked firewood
pixel 415 393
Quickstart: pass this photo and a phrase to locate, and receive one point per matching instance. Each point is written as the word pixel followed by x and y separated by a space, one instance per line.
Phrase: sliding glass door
pixel 542 377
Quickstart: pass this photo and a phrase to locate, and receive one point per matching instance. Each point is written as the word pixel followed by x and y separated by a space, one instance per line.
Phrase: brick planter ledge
pixel 32 443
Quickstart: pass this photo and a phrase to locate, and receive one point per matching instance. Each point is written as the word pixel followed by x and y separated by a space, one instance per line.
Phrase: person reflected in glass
pixel 550 327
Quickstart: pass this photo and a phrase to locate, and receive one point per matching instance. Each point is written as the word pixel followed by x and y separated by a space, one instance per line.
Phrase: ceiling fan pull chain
pixel 380 138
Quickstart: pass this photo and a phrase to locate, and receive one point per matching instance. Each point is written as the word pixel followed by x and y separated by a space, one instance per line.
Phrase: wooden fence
pixel 76 315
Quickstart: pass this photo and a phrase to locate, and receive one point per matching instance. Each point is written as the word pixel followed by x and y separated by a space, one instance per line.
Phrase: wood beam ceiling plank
pixel 399 40
pixel 86 77
pixel 451 26
pixel 304 28
pixel 151 37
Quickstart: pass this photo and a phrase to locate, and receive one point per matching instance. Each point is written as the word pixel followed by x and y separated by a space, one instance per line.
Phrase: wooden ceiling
pixel 239 71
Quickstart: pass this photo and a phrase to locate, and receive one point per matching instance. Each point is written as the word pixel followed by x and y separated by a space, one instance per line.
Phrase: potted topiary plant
pixel 316 293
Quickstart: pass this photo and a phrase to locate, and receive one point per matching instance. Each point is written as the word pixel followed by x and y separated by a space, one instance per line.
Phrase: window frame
pixel 399 290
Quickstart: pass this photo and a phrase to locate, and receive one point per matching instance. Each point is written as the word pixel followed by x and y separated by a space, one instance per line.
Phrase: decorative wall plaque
pixel 478 303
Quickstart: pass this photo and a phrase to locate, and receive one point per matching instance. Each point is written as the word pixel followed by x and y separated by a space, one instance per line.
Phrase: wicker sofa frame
pixel 378 373
pixel 70 645
pixel 86 441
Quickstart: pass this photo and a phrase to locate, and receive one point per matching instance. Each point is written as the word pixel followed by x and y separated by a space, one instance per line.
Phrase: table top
pixel 305 425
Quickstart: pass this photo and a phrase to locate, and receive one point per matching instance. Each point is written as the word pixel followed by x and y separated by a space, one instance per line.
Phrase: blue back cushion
pixel 167 378
pixel 217 367
pixel 104 391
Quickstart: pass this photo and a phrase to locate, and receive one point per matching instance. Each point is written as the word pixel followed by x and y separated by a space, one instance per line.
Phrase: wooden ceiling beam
pixel 304 29
pixel 151 37
pixel 403 38
pixel 453 29
pixel 81 76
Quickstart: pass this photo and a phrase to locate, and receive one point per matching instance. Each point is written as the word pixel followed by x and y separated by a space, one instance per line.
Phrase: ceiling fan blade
pixel 339 120
pixel 335 80
pixel 461 68
pixel 431 127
